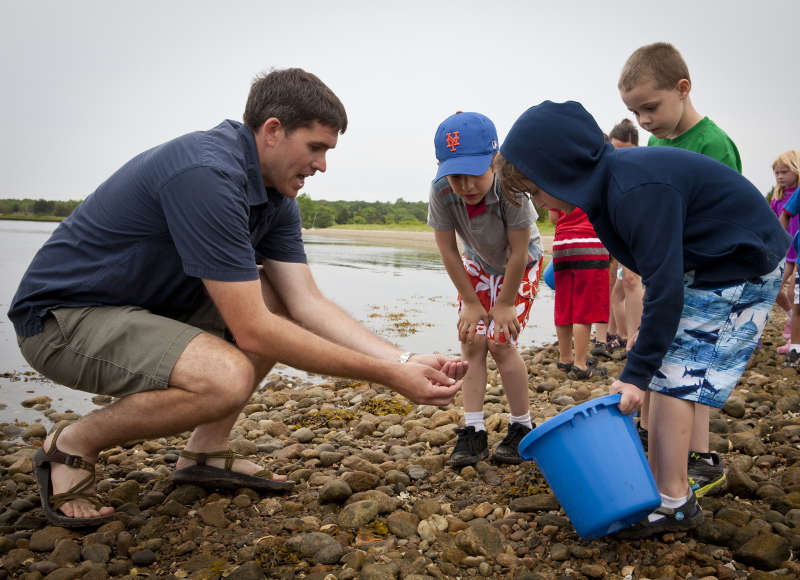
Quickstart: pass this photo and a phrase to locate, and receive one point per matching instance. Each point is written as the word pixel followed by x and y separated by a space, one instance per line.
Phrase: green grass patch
pixel 30 218
pixel 546 227
pixel 393 227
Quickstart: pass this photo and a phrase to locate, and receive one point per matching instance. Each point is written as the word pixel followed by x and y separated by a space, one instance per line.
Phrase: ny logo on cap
pixel 452 140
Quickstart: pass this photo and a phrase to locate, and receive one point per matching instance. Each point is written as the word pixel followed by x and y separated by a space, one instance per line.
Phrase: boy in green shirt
pixel 655 86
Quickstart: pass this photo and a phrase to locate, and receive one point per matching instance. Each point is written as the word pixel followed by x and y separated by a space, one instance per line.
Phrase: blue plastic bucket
pixel 594 462
pixel 549 276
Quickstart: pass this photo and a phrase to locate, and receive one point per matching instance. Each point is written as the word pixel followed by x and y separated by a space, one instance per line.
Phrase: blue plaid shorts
pixel 718 332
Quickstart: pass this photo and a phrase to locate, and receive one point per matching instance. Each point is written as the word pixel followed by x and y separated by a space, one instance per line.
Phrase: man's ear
pixel 683 87
pixel 271 132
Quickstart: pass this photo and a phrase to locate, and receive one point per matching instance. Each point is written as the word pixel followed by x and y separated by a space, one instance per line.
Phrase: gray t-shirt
pixel 484 236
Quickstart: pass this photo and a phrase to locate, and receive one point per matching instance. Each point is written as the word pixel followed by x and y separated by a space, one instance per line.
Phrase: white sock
pixel 705 456
pixel 668 502
pixel 475 420
pixel 795 347
pixel 523 419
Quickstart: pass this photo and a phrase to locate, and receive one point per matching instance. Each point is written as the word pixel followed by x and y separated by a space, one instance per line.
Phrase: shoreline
pixel 374 496
pixel 400 238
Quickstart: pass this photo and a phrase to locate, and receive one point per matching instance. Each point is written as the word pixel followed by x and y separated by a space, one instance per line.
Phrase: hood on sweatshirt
pixel 561 149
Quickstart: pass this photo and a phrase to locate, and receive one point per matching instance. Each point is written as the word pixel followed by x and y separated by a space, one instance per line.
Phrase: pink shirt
pixel 794 223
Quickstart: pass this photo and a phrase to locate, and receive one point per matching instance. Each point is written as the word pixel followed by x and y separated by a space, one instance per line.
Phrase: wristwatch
pixel 405 357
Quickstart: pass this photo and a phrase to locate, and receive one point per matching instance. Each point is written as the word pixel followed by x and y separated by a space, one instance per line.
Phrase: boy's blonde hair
pixel 513 183
pixel 790 159
pixel 659 61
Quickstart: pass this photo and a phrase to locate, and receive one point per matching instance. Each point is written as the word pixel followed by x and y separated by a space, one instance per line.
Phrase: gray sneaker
pixel 579 374
pixel 705 477
pixel 792 359
pixel 601 350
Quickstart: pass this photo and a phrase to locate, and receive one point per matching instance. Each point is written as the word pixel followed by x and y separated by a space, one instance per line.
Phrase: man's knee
pixel 212 368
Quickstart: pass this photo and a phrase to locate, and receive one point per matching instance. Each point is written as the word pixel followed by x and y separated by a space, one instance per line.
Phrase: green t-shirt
pixel 706 138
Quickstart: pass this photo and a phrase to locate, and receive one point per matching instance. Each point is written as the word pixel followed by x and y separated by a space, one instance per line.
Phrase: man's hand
pixel 452 367
pixel 632 396
pixel 505 321
pixel 471 314
pixel 424 385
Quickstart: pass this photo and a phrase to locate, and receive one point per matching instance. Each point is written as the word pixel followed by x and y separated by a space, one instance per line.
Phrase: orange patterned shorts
pixel 487 288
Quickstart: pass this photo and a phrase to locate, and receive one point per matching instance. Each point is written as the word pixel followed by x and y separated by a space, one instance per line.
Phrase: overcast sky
pixel 87 85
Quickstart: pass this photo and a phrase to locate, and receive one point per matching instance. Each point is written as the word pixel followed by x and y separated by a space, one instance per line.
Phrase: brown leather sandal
pixel 225 478
pixel 51 502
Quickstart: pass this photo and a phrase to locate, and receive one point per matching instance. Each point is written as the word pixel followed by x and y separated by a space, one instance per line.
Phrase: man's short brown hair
pixel 296 98
pixel 659 61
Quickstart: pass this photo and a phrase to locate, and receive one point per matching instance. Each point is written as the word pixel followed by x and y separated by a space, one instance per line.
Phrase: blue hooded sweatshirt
pixel 660 211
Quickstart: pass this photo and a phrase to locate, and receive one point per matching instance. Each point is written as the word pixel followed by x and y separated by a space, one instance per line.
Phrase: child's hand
pixel 784 299
pixel 505 321
pixel 452 367
pixel 471 315
pixel 632 396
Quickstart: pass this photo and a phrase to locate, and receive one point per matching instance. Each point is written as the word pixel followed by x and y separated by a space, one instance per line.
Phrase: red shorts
pixel 487 288
pixel 581 275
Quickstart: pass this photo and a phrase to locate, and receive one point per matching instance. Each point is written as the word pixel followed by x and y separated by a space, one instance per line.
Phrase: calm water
pixel 402 294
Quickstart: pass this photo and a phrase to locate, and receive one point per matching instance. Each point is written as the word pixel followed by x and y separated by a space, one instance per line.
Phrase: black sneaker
pixel 507 451
pixel 579 374
pixel 601 350
pixel 566 367
pixel 705 477
pixel 471 447
pixel 680 519
pixel 792 359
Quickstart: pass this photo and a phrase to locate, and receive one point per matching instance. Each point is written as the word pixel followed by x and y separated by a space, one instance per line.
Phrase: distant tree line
pixel 37 207
pixel 315 214
pixel 324 214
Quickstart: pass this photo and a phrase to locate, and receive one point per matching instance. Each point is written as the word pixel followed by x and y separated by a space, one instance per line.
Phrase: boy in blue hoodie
pixel 706 245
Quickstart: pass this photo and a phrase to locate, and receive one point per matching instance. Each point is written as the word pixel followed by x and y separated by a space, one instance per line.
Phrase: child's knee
pixel 502 350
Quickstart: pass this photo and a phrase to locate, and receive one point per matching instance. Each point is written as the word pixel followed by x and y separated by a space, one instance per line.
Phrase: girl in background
pixel 786 168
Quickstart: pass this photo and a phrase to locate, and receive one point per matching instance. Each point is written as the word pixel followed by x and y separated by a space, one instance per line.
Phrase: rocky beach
pixel 375 499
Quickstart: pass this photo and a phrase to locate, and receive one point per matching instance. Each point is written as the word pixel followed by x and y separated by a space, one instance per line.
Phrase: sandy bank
pixel 408 239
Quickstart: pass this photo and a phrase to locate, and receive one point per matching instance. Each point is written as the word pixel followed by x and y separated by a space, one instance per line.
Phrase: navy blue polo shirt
pixel 192 208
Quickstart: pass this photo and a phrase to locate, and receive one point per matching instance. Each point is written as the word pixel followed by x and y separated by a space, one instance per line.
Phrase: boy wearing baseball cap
pixel 496 277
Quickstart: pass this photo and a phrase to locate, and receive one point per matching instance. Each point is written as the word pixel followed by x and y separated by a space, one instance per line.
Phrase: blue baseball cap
pixel 465 144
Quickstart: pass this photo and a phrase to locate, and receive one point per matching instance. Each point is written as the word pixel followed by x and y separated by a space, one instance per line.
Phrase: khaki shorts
pixel 115 350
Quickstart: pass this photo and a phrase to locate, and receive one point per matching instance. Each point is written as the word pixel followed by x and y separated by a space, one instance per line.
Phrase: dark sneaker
pixel 507 451
pixel 471 447
pixel 643 436
pixel 579 374
pixel 566 367
pixel 792 359
pixel 704 477
pixel 680 519
pixel 601 350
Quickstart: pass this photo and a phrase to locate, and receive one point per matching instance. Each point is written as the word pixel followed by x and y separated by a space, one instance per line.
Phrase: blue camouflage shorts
pixel 717 334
